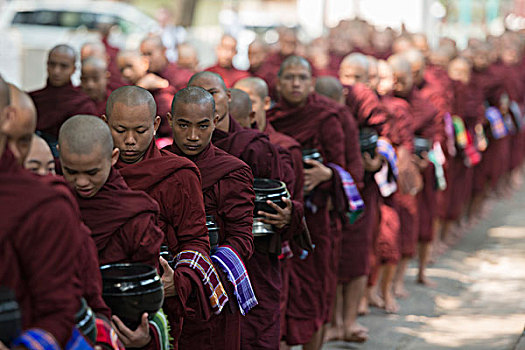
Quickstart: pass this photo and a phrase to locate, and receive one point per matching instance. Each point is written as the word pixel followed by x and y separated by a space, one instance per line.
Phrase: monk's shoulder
pixel 228 160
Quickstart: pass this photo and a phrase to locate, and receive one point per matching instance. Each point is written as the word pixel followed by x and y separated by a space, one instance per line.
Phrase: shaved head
pixel 131 96
pixel 294 61
pixel 187 56
pixel 356 59
pixel 154 40
pixel 82 134
pixel 64 50
pixel 193 95
pixel 254 84
pixel 206 75
pixel 40 159
pixel 95 62
pixel 21 126
pixel 330 87
pixel 93 49
pixel 241 107
pixel 5 98
pixel 403 77
pixel 354 68
pixel 415 56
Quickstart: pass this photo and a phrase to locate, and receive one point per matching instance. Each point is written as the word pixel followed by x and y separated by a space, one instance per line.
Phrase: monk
pixel 59 100
pixel 122 233
pixel 227 185
pixel 240 108
pixel 94 81
pixel 266 161
pixel 257 53
pixel 301 115
pixel 154 51
pixel 134 68
pixel 174 182
pixel 354 69
pixel 353 263
pixel 187 57
pixel 98 50
pixel 226 51
pixel 40 160
pixel 258 93
pixel 34 212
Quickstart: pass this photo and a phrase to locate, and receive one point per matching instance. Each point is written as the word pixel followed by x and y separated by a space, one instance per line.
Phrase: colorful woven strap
pixel 449 131
pixel 106 336
pixel 36 339
pixel 356 204
pixel 160 323
pixel 460 131
pixel 497 125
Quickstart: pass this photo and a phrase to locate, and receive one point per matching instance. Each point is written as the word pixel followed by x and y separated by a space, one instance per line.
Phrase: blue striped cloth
pixel 355 202
pixel 385 149
pixel 38 339
pixel 497 125
pixel 232 265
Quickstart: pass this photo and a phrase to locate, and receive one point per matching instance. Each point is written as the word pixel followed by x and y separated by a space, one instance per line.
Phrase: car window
pixel 43 17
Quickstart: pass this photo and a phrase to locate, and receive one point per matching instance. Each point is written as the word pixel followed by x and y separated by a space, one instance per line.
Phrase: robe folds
pixel 39 245
pixel 123 223
pixel 101 105
pixel 229 75
pixel 313 126
pixel 54 105
pixel 174 183
pixel 227 186
pixel 88 271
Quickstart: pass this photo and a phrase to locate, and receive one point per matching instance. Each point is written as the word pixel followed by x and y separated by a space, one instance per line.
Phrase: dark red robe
pixel 54 105
pixel 163 98
pixel 227 185
pixel 174 182
pixel 229 75
pixel 178 77
pixel 313 126
pixel 123 223
pixel 39 241
pixel 101 105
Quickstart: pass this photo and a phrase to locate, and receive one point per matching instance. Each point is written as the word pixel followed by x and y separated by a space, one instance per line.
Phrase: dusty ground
pixel 480 299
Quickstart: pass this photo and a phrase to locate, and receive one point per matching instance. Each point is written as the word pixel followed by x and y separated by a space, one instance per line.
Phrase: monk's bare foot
pixel 400 291
pixel 426 281
pixel 363 308
pixel 333 333
pixel 357 334
pixel 391 305
pixel 375 300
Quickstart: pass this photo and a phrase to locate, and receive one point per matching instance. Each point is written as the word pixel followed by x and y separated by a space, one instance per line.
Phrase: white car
pixel 28 29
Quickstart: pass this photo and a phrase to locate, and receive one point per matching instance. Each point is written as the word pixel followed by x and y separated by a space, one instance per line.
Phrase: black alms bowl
pixel 130 290
pixel 421 145
pixel 85 321
pixel 311 154
pixel 213 231
pixel 268 190
pixel 10 316
pixel 368 141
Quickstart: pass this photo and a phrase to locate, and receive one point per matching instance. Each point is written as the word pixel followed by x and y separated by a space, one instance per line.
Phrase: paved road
pixel 480 300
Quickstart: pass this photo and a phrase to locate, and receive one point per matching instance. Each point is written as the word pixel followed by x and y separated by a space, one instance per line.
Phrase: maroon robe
pixel 177 77
pixel 101 105
pixel 313 126
pixel 227 185
pixel 123 223
pixel 40 239
pixel 163 98
pixel 88 271
pixel 115 79
pixel 366 107
pixel 54 105
pixel 174 182
pixel 229 75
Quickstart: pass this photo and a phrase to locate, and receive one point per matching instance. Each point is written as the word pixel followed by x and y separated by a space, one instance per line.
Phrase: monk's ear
pixel 252 117
pixel 170 118
pixel 8 118
pixel 108 74
pixel 104 118
pixel 216 119
pixel 156 124
pixel 229 94
pixel 114 156
pixel 267 103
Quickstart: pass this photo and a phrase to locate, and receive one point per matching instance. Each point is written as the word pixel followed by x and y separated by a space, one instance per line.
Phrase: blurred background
pixel 30 28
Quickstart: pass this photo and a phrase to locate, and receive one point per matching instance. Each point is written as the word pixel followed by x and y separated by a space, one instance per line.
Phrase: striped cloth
pixel 232 265
pixel 515 111
pixel 107 336
pixel 36 339
pixel 471 156
pixel 355 202
pixel 449 131
pixel 385 148
pixel 159 323
pixel 497 125
pixel 206 271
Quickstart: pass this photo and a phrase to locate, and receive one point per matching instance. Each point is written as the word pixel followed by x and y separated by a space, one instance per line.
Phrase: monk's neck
pixel 224 123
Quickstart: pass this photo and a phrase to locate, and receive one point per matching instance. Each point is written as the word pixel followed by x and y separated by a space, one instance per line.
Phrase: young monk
pixel 187 57
pixel 226 51
pixel 134 68
pixel 98 50
pixel 174 182
pixel 154 51
pixel 227 185
pixel 298 237
pixel 240 108
pixel 40 160
pixel 34 212
pixel 59 100
pixel 94 81
pixel 122 221
pixel 300 115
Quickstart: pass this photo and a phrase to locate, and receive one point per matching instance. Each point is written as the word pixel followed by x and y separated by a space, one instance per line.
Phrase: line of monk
pixel 385 150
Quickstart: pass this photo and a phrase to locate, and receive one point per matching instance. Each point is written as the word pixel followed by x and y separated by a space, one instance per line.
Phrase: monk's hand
pixel 153 82
pixel 283 216
pixel 315 175
pixel 372 164
pixel 3 347
pixel 138 338
pixel 167 278
pixel 421 161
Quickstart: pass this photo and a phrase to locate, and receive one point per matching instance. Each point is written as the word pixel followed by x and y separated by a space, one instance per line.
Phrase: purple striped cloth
pixel 232 265
pixel 355 202
pixel 497 125
pixel 385 149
